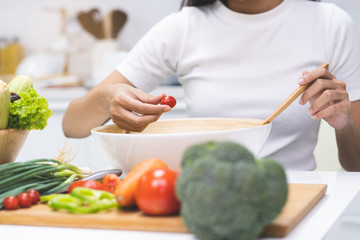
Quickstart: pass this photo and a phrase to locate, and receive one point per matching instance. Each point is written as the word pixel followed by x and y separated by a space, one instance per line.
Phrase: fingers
pixel 133 109
pixel 333 110
pixel 319 87
pixel 147 98
pixel 319 72
pixel 135 100
pixel 329 102
pixel 131 121
pixel 328 97
pixel 144 108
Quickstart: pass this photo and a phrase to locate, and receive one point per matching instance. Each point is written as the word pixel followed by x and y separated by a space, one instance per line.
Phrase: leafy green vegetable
pixel 30 112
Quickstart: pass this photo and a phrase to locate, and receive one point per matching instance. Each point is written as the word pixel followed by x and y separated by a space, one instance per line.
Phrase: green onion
pixel 47 176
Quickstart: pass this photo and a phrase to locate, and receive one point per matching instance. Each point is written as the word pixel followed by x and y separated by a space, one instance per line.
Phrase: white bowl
pixel 168 139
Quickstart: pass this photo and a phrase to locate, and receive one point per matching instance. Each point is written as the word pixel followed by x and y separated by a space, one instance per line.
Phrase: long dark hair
pixel 204 2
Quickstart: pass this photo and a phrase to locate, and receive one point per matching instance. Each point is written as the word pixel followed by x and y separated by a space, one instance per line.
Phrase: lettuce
pixel 30 112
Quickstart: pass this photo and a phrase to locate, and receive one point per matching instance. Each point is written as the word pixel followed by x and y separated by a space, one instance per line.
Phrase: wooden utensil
pixel 91 21
pixel 119 18
pixel 289 100
pixel 108 24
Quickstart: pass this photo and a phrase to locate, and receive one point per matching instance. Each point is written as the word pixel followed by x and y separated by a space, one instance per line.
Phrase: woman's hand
pixel 131 108
pixel 327 96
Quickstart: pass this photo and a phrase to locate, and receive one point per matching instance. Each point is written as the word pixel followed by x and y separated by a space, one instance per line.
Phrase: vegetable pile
pixel 150 186
pixel 21 107
pixel 226 194
pixel 23 200
pixel 47 176
pixel 81 200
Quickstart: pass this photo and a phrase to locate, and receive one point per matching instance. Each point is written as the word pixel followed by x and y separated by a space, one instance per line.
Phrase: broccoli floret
pixel 226 194
pixel 226 151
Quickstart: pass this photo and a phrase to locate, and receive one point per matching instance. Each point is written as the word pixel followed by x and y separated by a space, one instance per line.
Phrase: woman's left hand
pixel 327 96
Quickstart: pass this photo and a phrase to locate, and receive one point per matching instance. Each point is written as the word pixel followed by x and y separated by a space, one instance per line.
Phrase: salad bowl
pixel 168 139
pixel 11 142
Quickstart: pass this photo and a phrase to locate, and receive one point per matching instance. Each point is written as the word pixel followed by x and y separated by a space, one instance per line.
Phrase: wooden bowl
pixel 168 139
pixel 11 142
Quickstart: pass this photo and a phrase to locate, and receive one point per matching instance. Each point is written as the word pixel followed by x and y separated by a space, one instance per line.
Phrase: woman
pixel 242 58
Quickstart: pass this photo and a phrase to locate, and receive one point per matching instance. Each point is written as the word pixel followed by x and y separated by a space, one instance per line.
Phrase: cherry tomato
pixel 34 196
pixel 155 193
pixel 86 184
pixel 24 200
pixel 11 202
pixel 110 181
pixel 168 100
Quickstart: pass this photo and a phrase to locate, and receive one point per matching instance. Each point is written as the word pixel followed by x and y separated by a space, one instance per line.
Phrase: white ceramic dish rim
pixel 158 135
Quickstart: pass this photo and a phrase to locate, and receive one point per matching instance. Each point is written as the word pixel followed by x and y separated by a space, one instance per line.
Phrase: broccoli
pixel 226 194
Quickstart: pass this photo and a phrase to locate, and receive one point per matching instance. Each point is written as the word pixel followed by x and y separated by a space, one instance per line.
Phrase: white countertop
pixel 341 189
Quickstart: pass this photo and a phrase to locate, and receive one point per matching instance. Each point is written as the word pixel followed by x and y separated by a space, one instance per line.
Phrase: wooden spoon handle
pixel 289 100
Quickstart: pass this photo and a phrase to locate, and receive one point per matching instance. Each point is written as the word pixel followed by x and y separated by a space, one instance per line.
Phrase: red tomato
pixel 34 196
pixel 110 181
pixel 24 200
pixel 155 193
pixel 168 100
pixel 86 184
pixel 11 202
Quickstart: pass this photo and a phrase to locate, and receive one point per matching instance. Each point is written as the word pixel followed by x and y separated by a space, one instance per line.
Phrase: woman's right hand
pixel 132 109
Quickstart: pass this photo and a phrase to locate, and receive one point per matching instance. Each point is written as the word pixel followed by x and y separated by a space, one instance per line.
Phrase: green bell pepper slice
pixel 82 200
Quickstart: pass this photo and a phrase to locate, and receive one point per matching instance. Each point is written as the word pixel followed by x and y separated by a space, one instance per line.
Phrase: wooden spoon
pixel 289 100
pixel 108 24
pixel 118 21
pixel 92 23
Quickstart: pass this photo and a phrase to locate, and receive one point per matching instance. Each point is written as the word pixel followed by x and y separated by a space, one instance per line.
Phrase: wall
pixel 37 23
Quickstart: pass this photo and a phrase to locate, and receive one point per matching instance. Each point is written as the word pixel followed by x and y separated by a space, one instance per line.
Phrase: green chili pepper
pixel 82 200
pixel 91 195
pixel 102 199
pixel 47 198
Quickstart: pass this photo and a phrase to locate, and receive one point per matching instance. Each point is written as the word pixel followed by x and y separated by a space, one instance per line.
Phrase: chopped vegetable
pixel 82 200
pixel 125 190
pixel 86 184
pixel 110 182
pixel 39 174
pixel 30 112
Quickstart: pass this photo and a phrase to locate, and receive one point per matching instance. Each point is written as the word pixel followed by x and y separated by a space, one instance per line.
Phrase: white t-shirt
pixel 239 65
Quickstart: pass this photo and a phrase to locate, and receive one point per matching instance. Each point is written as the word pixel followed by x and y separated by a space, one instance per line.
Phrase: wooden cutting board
pixel 302 198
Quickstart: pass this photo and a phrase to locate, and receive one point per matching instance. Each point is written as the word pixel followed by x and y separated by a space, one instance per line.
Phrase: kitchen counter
pixel 341 189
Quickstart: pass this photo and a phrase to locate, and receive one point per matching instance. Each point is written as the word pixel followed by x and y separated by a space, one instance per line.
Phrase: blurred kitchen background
pixel 69 46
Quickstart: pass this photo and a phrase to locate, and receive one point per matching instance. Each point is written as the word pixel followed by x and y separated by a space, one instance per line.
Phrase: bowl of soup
pixel 168 139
